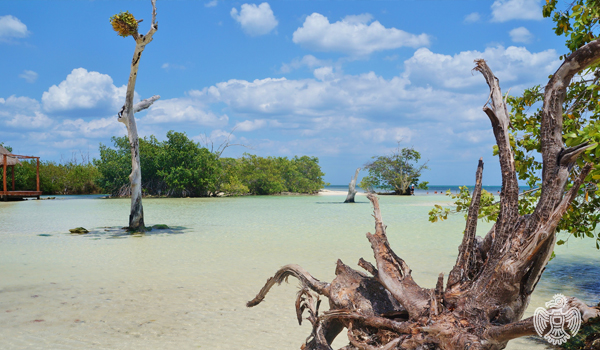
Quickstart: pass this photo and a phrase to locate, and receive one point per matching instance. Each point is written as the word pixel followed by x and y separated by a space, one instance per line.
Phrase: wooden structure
pixel 8 160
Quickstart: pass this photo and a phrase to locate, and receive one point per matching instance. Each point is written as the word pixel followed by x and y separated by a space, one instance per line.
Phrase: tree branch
pixel 554 174
pixel 511 331
pixel 144 104
pixel 498 114
pixel 305 278
pixel 526 327
pixel 463 269
pixel 371 321
pixel 393 272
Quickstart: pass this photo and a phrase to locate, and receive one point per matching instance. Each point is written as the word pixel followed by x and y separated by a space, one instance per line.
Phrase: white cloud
pixel 178 110
pixel 510 65
pixel 353 35
pixel 521 35
pixel 211 3
pixel 11 27
pixel 29 76
pixel 324 73
pixel 168 66
pixel 472 17
pixel 255 20
pixel 345 97
pixel 391 57
pixel 506 10
pixel 309 61
pixel 251 125
pixel 36 121
pixel 96 128
pixel 23 112
pixel 83 90
pixel 380 135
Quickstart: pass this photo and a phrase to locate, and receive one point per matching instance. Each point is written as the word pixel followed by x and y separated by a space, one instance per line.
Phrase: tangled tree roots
pixel 490 285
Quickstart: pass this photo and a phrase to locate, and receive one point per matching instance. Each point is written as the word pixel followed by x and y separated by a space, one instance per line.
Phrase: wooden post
pixel 37 174
pixel 13 177
pixel 4 175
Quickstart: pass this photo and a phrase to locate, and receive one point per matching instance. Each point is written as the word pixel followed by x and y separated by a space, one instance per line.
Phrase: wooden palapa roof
pixel 9 160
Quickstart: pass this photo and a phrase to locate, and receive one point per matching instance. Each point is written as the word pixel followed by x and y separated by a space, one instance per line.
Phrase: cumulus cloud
pixel 510 65
pixel 472 17
pixel 353 35
pixel 347 96
pixel 29 76
pixel 255 20
pixel 23 112
pixel 83 90
pixel 506 10
pixel 521 35
pixel 11 27
pixel 96 128
pixel 324 73
pixel 186 109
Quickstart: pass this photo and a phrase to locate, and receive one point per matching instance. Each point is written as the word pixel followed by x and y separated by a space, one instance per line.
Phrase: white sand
pixel 338 193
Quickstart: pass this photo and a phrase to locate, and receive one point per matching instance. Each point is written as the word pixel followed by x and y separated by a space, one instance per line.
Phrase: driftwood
pixel 352 188
pixel 126 116
pixel 487 291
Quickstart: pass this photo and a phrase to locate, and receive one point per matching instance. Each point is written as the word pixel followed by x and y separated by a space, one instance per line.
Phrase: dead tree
pixel 489 287
pixel 126 25
pixel 352 188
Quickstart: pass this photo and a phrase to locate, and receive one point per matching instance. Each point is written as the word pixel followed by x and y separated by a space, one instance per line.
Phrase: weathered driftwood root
pixel 491 283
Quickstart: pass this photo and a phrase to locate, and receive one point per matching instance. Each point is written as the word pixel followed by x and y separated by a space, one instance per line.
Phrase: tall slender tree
pixel 126 25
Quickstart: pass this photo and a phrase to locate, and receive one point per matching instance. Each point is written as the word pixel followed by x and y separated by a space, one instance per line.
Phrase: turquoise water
pixel 188 290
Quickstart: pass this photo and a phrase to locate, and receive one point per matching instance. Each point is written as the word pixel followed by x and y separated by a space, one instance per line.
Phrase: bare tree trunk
pixel 352 188
pixel 126 116
pixel 490 286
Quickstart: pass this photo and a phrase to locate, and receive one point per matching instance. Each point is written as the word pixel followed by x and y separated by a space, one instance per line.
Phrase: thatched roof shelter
pixel 10 161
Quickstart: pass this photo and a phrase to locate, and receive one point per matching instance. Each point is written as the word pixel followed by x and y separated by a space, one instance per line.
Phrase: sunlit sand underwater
pixel 187 289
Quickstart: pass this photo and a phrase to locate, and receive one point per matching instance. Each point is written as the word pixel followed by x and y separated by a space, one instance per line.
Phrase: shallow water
pixel 188 290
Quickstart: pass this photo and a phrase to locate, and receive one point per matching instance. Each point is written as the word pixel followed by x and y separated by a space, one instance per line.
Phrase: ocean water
pixel 187 288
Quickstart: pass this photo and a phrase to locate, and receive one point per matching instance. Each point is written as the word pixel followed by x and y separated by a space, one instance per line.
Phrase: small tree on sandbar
pixel 126 25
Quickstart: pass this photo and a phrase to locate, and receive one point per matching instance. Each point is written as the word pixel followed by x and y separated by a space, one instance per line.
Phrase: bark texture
pixel 126 116
pixel 352 188
pixel 490 285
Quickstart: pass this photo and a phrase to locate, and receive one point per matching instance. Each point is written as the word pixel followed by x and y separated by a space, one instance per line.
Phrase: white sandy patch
pixel 338 193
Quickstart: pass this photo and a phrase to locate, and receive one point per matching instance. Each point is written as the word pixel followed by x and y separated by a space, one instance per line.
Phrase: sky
pixel 340 80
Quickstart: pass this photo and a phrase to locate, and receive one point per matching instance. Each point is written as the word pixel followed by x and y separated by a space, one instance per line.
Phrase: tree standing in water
pixel 126 25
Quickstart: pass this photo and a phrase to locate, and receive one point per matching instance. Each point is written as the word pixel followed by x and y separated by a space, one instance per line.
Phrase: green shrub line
pixel 176 167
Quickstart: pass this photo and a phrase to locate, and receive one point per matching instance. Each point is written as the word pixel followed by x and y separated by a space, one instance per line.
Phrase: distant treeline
pixel 176 167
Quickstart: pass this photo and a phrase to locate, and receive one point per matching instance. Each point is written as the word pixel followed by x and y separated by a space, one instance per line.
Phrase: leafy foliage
pixel 180 167
pixel 124 23
pixel 395 172
pixel 581 123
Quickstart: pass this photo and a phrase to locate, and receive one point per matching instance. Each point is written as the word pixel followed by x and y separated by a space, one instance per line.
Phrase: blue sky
pixel 340 80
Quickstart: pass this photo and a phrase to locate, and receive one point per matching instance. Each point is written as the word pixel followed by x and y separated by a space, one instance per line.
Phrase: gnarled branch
pixel 498 114
pixel 393 272
pixel 463 269
pixel 305 278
